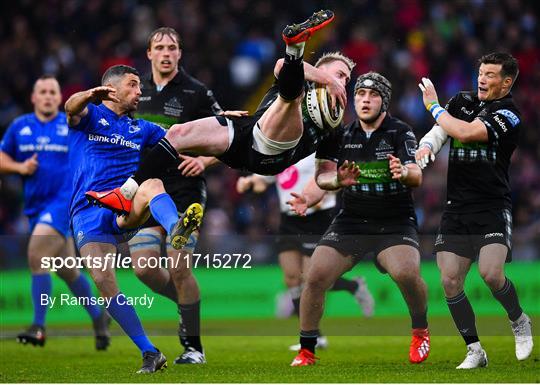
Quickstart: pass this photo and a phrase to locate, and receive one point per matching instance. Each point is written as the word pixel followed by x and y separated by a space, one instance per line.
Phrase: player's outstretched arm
pixel 195 165
pixel 75 106
pixel 8 165
pixel 461 130
pixel 410 175
pixel 311 195
pixel 330 177
pixel 430 145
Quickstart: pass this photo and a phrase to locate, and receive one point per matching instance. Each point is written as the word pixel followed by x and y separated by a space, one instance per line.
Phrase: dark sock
pixel 169 291
pixel 161 156
pixel 507 296
pixel 419 321
pixel 345 284
pixel 190 325
pixel 308 339
pixel 291 78
pixel 463 315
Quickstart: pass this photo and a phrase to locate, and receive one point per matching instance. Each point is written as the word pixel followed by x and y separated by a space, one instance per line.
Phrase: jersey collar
pixel 382 127
pixel 178 78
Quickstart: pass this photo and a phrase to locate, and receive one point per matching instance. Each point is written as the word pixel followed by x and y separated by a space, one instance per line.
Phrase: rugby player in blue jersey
pixel 108 143
pixel 36 146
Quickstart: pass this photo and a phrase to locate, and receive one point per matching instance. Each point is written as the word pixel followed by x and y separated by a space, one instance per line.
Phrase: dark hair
pixel 46 77
pixel 160 32
pixel 508 62
pixel 117 71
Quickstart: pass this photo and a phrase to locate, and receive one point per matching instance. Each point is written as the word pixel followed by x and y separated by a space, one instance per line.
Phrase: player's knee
pixel 150 188
pixel 180 273
pixel 292 280
pixel 493 277
pixel 406 276
pixel 143 273
pixel 317 281
pixel 452 284
pixel 177 132
pixel 68 275
pixel 105 282
pixel 34 262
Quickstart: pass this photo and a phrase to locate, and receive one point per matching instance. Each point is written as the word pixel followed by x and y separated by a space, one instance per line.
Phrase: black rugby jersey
pixel 377 195
pixel 183 99
pixel 478 172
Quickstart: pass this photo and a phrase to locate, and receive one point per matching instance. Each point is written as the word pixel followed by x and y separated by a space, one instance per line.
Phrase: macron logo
pixel 492 235
pixel 103 122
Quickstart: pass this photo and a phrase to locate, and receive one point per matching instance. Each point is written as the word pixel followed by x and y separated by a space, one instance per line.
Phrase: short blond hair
pixel 329 57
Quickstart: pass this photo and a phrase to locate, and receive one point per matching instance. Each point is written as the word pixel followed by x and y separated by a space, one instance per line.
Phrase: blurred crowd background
pixel 231 45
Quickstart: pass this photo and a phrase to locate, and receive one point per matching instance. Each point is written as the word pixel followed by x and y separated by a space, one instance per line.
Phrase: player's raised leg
pixel 204 137
pixel 280 127
pixel 151 198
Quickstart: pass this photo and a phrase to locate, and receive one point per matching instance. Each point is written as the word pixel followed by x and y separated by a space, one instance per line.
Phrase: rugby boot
pixel 188 222
pixel 152 362
pixel 34 335
pixel 299 33
pixel 112 200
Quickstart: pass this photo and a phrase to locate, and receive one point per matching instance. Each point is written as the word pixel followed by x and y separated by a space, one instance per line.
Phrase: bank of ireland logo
pixel 80 236
pixel 288 178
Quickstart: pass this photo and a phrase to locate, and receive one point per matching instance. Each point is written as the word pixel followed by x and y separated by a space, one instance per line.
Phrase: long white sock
pixel 129 188
pixel 295 50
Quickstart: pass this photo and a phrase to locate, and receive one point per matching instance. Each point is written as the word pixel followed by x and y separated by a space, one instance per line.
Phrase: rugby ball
pixel 319 110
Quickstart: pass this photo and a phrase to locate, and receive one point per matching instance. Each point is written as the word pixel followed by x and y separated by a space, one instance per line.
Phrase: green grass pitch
pixel 357 357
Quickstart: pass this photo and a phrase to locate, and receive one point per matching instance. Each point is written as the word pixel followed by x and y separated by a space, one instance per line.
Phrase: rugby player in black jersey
pixel 278 135
pixel 170 96
pixel 483 127
pixel 372 159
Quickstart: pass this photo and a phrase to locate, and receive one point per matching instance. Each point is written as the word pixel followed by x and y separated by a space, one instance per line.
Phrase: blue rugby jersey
pixel 106 150
pixel 27 136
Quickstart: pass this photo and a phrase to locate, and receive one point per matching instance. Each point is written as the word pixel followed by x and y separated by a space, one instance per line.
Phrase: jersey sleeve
pixel 88 123
pixel 9 141
pixel 406 145
pixel 329 149
pixel 154 133
pixel 208 105
pixel 452 105
pixel 501 123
